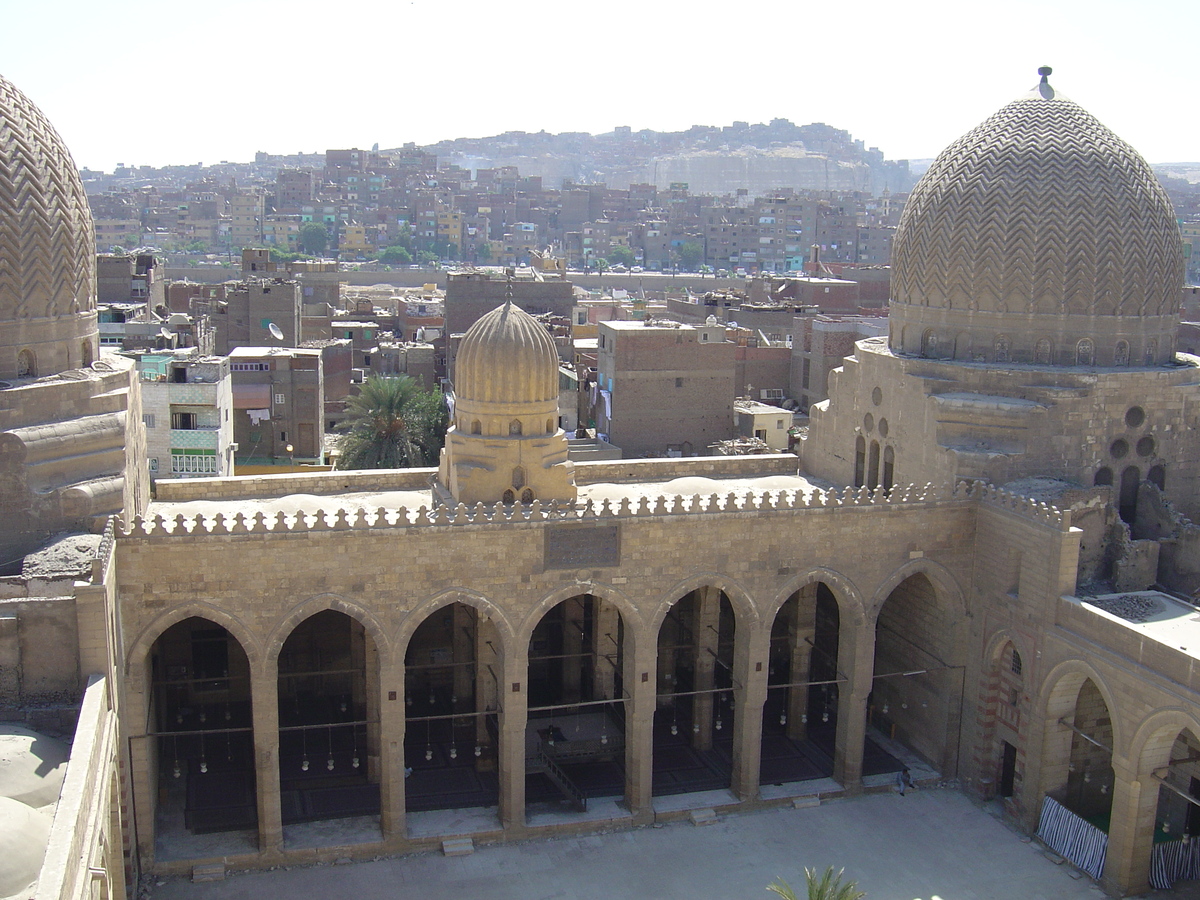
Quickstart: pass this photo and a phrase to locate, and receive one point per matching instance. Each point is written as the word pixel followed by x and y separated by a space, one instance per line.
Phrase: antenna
pixel 276 331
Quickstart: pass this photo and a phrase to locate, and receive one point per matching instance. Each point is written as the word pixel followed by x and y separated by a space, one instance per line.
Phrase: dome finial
pixel 1043 87
pixel 509 271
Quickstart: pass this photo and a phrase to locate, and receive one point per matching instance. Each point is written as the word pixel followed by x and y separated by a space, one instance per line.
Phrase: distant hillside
pixel 710 159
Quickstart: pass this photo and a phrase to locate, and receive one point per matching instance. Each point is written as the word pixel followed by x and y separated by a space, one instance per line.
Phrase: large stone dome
pixel 1040 237
pixel 47 247
pixel 506 357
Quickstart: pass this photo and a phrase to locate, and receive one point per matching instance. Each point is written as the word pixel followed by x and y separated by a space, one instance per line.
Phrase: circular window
pixel 868 423
pixel 883 428
pixel 1119 449
pixel 877 396
pixel 1145 447
pixel 1135 417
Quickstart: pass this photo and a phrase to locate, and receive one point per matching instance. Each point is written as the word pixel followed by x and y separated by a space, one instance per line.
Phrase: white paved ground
pixel 929 844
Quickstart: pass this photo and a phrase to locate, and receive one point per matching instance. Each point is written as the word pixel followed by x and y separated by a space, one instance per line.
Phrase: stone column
pixel 391 748
pixel 706 625
pixel 801 631
pixel 604 648
pixel 640 660
pixel 572 648
pixel 264 702
pixel 514 706
pixel 463 648
pixel 487 687
pixel 1131 830
pixel 856 660
pixel 750 657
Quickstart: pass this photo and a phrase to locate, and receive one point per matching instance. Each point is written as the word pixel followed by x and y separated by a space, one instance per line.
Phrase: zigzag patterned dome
pixel 506 358
pixel 47 247
pixel 1038 237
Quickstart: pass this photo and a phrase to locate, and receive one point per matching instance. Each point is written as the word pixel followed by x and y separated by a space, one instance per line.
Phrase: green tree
pixel 426 257
pixel 484 252
pixel 601 264
pixel 395 254
pixel 314 238
pixel 827 886
pixel 621 255
pixel 690 255
pixel 393 423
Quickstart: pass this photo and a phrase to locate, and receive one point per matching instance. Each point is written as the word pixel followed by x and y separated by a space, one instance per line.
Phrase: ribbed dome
pixel 1039 236
pixel 506 357
pixel 47 247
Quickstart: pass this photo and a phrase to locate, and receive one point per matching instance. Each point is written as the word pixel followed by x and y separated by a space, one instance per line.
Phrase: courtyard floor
pixel 929 844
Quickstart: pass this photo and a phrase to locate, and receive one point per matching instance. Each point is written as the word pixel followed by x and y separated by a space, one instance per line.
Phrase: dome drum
pixel 1037 340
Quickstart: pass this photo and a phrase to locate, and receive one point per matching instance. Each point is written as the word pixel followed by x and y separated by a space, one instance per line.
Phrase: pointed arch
pixel 1060 689
pixel 321 602
pixel 629 613
pixel 745 613
pixel 413 619
pixel 849 598
pixel 199 609
pixel 945 586
pixel 1151 742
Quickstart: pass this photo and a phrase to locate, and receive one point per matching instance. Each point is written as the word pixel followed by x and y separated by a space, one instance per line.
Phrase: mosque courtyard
pixel 931 843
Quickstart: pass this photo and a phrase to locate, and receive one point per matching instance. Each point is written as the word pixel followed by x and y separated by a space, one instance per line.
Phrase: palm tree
pixel 828 886
pixel 392 423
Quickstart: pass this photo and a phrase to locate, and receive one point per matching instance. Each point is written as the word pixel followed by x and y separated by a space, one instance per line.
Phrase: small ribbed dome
pixel 507 356
pixel 1039 236
pixel 47 247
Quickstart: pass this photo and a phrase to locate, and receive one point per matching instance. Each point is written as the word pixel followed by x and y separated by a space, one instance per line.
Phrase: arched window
pixel 1121 354
pixel 527 495
pixel 1000 348
pixel 1103 476
pixel 929 344
pixel 860 461
pixel 1127 502
pixel 1085 353
pixel 873 466
pixel 889 468
pixel 1043 352
pixel 549 426
pixel 514 427
pixel 476 427
pixel 1158 476
pixel 1151 352
pixel 26 364
pixel 86 353
pixel 509 496
pixel 518 478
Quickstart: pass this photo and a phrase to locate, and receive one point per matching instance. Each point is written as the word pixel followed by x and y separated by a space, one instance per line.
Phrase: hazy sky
pixel 158 82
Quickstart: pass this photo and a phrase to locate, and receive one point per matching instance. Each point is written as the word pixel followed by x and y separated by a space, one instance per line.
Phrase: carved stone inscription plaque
pixel 582 546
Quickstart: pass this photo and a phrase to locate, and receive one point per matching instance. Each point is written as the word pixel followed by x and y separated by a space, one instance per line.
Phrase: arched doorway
pixel 575 736
pixel 917 687
pixel 800 713
pixel 451 735
pixel 203 731
pixel 328 720
pixel 693 719
pixel 1003 720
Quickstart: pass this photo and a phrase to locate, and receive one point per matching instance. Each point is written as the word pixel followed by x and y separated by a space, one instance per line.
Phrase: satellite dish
pixel 166 333
pixel 276 331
